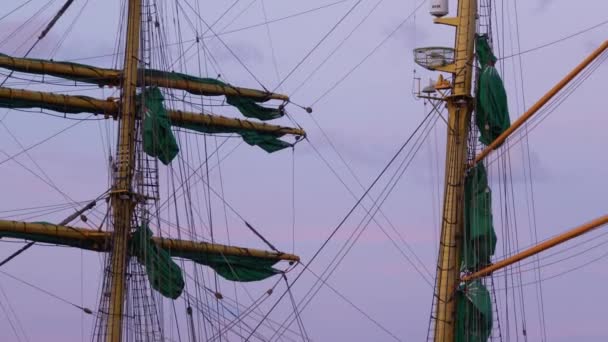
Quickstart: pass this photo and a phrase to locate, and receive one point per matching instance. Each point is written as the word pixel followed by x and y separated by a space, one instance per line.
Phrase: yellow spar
pixel 67 103
pixel 112 77
pixel 571 234
pixel 99 241
pixel 541 102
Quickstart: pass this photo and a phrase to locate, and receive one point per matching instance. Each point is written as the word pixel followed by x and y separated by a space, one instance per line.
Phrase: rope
pixel 337 228
pixel 555 41
pixel 318 43
pixel 46 30
pixel 371 53
pixel 84 309
pixel 15 9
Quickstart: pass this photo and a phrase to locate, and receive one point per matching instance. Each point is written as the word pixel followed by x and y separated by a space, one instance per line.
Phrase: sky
pixel 367 117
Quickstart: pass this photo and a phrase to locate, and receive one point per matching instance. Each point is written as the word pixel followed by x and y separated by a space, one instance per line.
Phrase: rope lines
pixel 550 107
pixel 17 327
pixel 562 39
pixel 366 57
pixel 314 71
pixel 40 289
pixel 15 10
pixel 223 32
pixel 363 224
pixel 333 28
pixel 349 213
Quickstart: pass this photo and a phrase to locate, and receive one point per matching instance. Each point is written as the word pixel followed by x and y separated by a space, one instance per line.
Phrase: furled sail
pixel 473 313
pixel 491 111
pixel 473 302
pixel 164 274
pixel 230 262
pixel 160 142
pixel 158 139
pixel 479 236
pixel 246 105
pixel 245 100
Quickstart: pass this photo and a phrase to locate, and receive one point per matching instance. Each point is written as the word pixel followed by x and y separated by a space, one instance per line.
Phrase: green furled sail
pixel 268 142
pixel 235 268
pixel 164 274
pixel 491 111
pixel 473 313
pixel 158 139
pixel 479 235
pixel 247 106
pixel 166 277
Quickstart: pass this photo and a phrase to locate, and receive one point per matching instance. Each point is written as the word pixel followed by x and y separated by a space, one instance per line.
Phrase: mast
pixel 459 105
pixel 122 199
pixel 121 196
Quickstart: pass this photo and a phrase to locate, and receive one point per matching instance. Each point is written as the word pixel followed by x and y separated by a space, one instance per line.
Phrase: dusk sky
pixel 367 116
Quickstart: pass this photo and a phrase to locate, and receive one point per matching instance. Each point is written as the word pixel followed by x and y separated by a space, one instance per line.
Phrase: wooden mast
pixel 459 105
pixel 122 200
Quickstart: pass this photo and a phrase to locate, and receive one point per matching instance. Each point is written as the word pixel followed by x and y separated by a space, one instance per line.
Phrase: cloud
pixel 408 34
pixel 543 4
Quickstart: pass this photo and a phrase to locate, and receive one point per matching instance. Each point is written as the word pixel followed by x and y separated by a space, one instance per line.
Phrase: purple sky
pixel 367 117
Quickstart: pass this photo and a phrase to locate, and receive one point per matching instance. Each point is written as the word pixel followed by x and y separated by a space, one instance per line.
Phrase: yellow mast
pixel 122 200
pixel 121 196
pixel 459 105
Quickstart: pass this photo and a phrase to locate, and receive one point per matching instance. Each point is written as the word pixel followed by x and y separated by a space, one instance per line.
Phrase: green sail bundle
pixel 491 110
pixel 164 274
pixel 473 313
pixel 479 236
pixel 235 268
pixel 248 106
pixel 159 140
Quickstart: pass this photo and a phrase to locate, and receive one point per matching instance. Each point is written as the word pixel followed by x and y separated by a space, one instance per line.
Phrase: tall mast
pixel 121 197
pixel 123 200
pixel 459 105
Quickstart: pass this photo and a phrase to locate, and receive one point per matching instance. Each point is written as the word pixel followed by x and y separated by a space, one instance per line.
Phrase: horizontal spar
pixel 19 98
pixel 571 234
pixel 99 241
pixel 540 103
pixel 149 77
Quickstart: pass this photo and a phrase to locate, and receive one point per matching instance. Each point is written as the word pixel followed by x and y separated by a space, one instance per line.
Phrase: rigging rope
pixel 318 43
pixel 371 53
pixel 15 9
pixel 46 30
pixel 312 73
pixel 363 225
pixel 542 46
pixel 82 308
pixel 354 207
